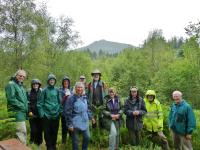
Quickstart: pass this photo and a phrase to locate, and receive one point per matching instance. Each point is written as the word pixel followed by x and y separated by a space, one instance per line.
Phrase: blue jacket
pixel 77 112
pixel 181 118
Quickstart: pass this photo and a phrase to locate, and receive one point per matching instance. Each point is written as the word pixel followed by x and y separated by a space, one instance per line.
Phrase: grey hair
pixel 177 92
pixel 79 84
pixel 20 71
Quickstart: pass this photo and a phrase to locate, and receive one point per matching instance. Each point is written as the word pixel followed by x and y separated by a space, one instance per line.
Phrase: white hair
pixel 178 93
pixel 20 71
pixel 79 84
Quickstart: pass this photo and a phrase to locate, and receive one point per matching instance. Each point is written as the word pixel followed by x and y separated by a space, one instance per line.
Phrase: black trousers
pixel 50 127
pixel 64 129
pixel 36 130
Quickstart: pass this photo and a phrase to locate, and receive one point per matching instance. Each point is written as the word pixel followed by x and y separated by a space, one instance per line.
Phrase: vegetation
pixel 33 40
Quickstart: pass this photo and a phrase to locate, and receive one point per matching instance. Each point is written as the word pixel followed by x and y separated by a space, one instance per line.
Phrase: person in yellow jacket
pixel 153 120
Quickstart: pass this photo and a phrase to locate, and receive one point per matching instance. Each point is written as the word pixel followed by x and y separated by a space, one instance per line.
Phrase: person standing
pixel 83 80
pixel 153 120
pixel 49 109
pixel 134 109
pixel 112 119
pixel 65 92
pixel 17 103
pixel 96 94
pixel 182 122
pixel 77 114
pixel 34 120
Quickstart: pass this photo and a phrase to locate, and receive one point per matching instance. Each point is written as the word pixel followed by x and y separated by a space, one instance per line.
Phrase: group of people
pixel 76 106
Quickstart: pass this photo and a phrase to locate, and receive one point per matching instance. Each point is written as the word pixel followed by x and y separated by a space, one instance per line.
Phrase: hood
pixel 51 76
pixel 66 78
pixel 35 81
pixel 150 92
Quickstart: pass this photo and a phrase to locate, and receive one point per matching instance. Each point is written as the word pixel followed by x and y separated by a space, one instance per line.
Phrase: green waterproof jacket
pixel 153 119
pixel 17 102
pixel 181 118
pixel 49 105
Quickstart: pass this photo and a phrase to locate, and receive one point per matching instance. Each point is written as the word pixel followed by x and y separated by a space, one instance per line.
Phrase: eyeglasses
pixel 133 91
pixel 21 76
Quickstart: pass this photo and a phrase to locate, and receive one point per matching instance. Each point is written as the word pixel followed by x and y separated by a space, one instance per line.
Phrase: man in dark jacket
pixel 96 93
pixel 17 103
pixel 182 122
pixel 134 109
pixel 49 109
pixel 65 92
pixel 34 120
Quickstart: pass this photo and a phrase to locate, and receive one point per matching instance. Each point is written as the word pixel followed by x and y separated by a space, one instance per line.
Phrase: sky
pixel 126 21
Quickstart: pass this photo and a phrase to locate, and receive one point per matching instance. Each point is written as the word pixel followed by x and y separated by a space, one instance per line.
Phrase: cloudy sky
pixel 126 21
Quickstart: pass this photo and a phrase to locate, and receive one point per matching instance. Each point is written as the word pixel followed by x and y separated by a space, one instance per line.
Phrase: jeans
pixel 74 136
pixel 21 131
pixel 113 137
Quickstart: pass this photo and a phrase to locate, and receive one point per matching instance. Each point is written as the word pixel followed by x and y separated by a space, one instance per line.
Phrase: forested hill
pixel 106 46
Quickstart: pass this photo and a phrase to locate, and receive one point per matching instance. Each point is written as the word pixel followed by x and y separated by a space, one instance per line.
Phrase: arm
pixel 105 111
pixel 190 121
pixel 68 110
pixel 160 116
pixel 127 110
pixel 143 109
pixel 11 97
pixel 40 103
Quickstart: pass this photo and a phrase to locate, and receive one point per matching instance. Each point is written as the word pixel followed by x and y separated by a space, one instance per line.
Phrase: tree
pixel 65 36
pixel 193 30
pixel 16 27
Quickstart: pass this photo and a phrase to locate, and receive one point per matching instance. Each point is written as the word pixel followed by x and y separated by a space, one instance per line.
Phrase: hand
pixel 71 129
pixel 136 113
pixel 161 135
pixel 188 136
pixel 67 93
pixel 30 114
pixel 117 116
pixel 93 121
pixel 113 117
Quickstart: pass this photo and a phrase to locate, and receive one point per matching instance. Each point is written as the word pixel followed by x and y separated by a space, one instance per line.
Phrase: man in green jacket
pixel 49 109
pixel 182 122
pixel 17 103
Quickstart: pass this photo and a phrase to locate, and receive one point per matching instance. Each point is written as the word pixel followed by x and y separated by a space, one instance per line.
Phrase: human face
pixel 52 82
pixel 83 80
pixel 96 76
pixel 111 94
pixel 36 86
pixel 65 83
pixel 177 97
pixel 134 93
pixel 20 77
pixel 79 89
pixel 150 97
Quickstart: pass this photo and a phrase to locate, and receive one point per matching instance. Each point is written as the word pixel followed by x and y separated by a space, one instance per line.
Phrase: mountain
pixel 106 46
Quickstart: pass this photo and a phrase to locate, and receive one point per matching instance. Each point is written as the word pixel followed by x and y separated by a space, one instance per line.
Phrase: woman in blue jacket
pixel 77 115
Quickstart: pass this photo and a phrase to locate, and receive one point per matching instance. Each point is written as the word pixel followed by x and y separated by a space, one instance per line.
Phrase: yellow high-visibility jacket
pixel 153 119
